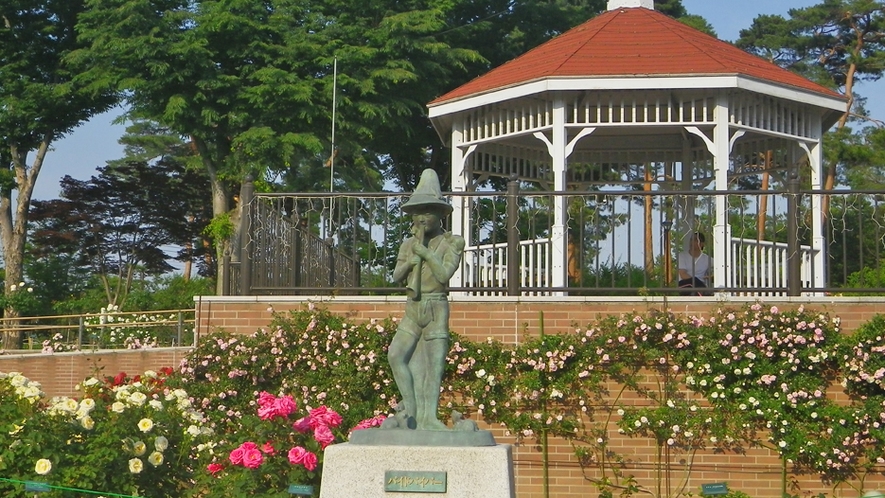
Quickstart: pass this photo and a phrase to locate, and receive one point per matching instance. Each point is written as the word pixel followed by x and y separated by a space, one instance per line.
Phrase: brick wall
pixel 507 319
pixel 60 372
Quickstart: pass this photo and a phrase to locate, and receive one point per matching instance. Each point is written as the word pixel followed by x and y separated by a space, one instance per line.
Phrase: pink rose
pixel 269 406
pixel 323 435
pixel 300 456
pixel 214 468
pixel 266 412
pixel 236 456
pixel 268 448
pixel 303 425
pixel 285 405
pixel 245 455
pixel 266 399
pixel 325 416
pixel 310 461
pixel 370 422
pixel 252 458
pixel 296 455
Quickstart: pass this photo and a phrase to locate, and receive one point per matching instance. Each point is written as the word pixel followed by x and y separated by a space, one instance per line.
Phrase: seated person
pixel 694 264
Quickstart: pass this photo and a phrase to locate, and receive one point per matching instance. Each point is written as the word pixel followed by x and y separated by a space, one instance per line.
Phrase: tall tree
pixel 40 102
pixel 154 146
pixel 836 42
pixel 120 223
pixel 676 10
pixel 250 83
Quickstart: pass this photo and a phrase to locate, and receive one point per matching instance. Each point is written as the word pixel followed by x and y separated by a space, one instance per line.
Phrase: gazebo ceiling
pixel 634 48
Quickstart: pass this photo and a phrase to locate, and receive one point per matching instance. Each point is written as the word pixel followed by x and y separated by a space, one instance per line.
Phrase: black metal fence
pixel 617 242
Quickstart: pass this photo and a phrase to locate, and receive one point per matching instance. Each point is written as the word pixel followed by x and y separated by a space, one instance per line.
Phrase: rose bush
pixel 276 444
pixel 315 356
pixel 121 435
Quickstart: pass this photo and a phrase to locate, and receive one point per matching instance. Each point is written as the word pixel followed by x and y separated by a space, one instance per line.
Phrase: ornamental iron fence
pixel 601 242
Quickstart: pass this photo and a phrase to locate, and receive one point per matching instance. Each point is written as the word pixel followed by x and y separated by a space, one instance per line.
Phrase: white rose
pixel 137 398
pixel 145 425
pixel 87 423
pixel 43 466
pixel 161 443
pixel 139 448
pixel 136 465
pixel 155 459
pixel 86 405
pixel 67 405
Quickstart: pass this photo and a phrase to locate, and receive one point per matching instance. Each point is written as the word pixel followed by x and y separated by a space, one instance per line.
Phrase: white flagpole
pixel 334 105
pixel 327 224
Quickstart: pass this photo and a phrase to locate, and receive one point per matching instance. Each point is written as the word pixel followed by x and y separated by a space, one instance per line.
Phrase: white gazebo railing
pixel 485 265
pixel 755 265
pixel 759 264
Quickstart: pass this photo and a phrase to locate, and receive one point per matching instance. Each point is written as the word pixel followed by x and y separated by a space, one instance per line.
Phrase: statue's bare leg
pixel 399 354
pixel 434 353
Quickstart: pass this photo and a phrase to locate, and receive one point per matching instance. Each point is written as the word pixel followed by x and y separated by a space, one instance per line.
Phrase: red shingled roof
pixel 631 42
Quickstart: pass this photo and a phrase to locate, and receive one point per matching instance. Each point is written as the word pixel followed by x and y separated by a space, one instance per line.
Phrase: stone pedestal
pixel 351 471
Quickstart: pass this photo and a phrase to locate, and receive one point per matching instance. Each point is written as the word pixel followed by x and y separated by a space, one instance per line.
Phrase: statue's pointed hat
pixel 427 195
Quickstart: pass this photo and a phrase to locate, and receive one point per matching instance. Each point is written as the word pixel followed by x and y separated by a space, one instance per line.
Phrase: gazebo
pixel 633 86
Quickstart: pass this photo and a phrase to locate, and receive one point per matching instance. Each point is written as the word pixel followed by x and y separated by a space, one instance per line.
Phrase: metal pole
pixel 225 284
pixel 334 106
pixel 665 249
pixel 327 223
pixel 80 330
pixel 513 263
pixel 180 326
pixel 794 260
pixel 247 193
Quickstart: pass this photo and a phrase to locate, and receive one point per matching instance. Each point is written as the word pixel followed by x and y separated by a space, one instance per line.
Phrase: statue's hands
pixel 420 251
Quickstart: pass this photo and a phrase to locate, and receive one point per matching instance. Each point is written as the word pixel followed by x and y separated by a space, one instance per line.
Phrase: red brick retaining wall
pixel 506 318
pixel 60 372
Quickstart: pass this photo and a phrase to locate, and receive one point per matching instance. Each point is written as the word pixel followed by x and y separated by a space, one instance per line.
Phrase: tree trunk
pixel 575 271
pixel 14 229
pixel 763 201
pixel 221 201
pixel 850 74
pixel 188 265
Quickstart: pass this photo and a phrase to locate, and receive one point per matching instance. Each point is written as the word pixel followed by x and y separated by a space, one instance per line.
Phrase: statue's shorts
pixel 427 318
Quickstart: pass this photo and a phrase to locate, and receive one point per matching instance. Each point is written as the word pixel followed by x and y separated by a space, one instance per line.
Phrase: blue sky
pixel 95 142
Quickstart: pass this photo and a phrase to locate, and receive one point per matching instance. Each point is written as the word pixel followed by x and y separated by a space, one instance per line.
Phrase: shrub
pixel 123 435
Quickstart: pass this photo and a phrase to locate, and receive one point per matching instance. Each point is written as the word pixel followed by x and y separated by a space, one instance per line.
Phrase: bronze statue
pixel 426 261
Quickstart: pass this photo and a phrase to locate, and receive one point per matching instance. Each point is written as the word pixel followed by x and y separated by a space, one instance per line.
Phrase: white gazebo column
pixel 819 254
pixel 558 163
pixel 460 204
pixel 721 228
